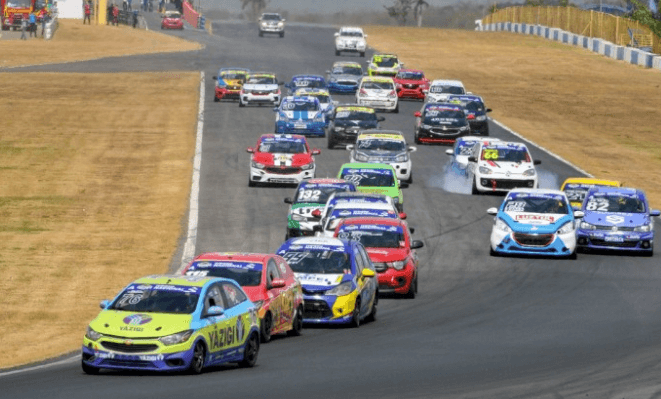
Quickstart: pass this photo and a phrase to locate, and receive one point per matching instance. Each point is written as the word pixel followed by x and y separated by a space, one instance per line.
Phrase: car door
pixel 362 282
pixel 215 330
pixel 288 293
pixel 371 283
pixel 237 323
pixel 274 295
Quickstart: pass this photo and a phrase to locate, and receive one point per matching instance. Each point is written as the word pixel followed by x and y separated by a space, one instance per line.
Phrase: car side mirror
pixel 381 118
pixel 349 147
pixel 104 304
pixel 328 73
pixel 368 273
pixel 537 162
pixel 288 200
pixel 472 159
pixel 417 114
pixel 365 36
pixel 579 214
pixel 412 149
pixel 316 214
pixel 215 311
pixel 278 283
pixel 403 185
pixel 402 215
pixel 214 77
pixel 449 152
pixel 489 110
pixel 492 211
pixel 316 152
pixel 250 150
pixel 415 244
pixel 412 229
pixel 655 212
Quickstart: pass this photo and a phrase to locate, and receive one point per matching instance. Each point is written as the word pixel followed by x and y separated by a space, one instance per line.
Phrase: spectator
pixel 24 27
pixel 135 18
pixel 88 13
pixel 109 13
pixel 128 2
pixel 115 15
pixel 33 25
pixel 54 11
pixel 44 18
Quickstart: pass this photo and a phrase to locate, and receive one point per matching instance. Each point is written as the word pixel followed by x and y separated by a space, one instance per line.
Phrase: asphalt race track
pixel 480 326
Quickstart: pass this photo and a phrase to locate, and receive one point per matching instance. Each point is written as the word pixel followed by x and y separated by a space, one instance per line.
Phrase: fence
pixel 583 22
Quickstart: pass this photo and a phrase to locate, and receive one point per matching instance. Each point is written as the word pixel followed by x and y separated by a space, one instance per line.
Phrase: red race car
pixel 389 246
pixel 269 282
pixel 281 159
pixel 172 20
pixel 410 83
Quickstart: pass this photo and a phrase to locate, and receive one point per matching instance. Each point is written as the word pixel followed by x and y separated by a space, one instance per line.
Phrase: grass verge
pixel 600 114
pixel 95 183
pixel 74 41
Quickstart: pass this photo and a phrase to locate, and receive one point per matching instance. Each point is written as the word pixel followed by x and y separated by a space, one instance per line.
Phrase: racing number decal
pixel 490 154
pixel 575 195
pixel 309 195
pixel 465 150
pixel 597 204
pixel 378 59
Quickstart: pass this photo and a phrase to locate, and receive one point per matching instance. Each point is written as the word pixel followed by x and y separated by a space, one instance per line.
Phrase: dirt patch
pixel 74 41
pixel 95 183
pixel 600 114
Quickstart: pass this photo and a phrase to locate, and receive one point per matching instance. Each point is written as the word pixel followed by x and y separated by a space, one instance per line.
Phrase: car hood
pixel 320 282
pixel 449 122
pixel 507 167
pixel 251 86
pixel 358 123
pixel 233 82
pixel 539 223
pixel 306 209
pixel 378 92
pixel 616 219
pixel 140 324
pixel 301 115
pixel 277 159
pixel 387 254
pixel 409 82
pixel 352 78
pixel 390 191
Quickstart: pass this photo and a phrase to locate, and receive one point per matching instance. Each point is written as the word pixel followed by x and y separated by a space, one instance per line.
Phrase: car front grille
pixel 347 83
pixel 507 184
pixel 380 267
pixel 141 364
pixel 316 309
pixel 533 240
pixel 610 228
pixel 411 86
pixel 444 131
pixel 603 243
pixel 286 170
pixel 132 348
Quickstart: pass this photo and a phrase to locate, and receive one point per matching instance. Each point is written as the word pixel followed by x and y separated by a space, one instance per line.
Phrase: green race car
pixel 384 65
pixel 374 178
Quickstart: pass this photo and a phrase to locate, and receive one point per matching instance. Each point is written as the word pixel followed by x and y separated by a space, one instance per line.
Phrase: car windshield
pixel 410 75
pixel 614 202
pixel 355 115
pixel 348 70
pixel 446 89
pixel 437 116
pixel 233 75
pixel 158 298
pixel 385 62
pixel 474 106
pixel 261 80
pixel 463 148
pixel 351 33
pixel 369 177
pixel 282 147
pixel 576 193
pixel 245 273
pixel 373 236
pixel 514 154
pixel 310 83
pixel 324 99
pixel 19 3
pixel 378 85
pixel 289 105
pixel 554 204
pixel 173 15
pixel 381 144
pixel 318 262
pixel 271 17
pixel 318 194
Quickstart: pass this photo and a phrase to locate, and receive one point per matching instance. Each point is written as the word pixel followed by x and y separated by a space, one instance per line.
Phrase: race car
pixel 300 115
pixel 385 148
pixel 576 187
pixel 440 123
pixel 350 209
pixel 476 112
pixel 281 158
pixel 411 83
pixel 441 89
pixel 229 82
pixel 172 20
pixel 307 82
pixel 501 166
pixel 271 23
pixel 617 218
pixel 390 248
pixel 349 120
pixel 463 148
pixel 350 39
pixel 339 281
pixel 378 93
pixel 173 323
pixel 384 65
pixel 355 197
pixel 325 100
pixel 311 195
pixel 374 178
pixel 534 221
pixel 267 280
pixel 344 77
pixel 260 88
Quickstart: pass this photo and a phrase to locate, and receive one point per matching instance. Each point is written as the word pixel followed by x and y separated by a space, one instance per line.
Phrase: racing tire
pixel 493 253
pixel 362 54
pixel 413 289
pixel 251 183
pixel 241 103
pixel 416 139
pixel 331 142
pixel 282 34
pixel 572 256
pixel 215 99
pixel 474 189
pixel 297 324
pixel 372 316
pixel 396 110
pixel 87 369
pixel 410 179
pixel 261 34
pixel 251 351
pixel 355 318
pixel 265 328
pixel 337 53
pixel 197 362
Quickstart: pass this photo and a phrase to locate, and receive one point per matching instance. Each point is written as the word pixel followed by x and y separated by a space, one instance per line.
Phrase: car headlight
pixel 529 172
pixel 92 335
pixel 481 118
pixel 566 228
pixel 402 157
pixel 502 226
pixel 397 265
pixel 644 228
pixel 587 226
pixel 319 117
pixel 308 166
pixel 280 24
pixel 341 289
pixel 361 157
pixel 298 218
pixel 283 116
pixel 264 24
pixel 178 338
pixel 465 127
pixel 484 170
pixel 338 129
pixel 257 165
pixel 426 127
pixel 246 91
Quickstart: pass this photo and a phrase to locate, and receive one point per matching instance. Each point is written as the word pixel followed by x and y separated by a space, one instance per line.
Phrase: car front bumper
pixel 271 28
pixel 177 358
pixel 444 136
pixel 392 281
pixel 620 241
pixel 411 93
pixel 345 136
pixel 224 92
pixel 250 98
pixel 274 175
pixel 166 25
pixel 540 244
pixel 328 309
pixel 502 183
pixel 377 103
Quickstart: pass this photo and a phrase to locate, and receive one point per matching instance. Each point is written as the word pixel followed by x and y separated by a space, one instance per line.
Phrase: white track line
pixel 193 208
pixel 41 366
pixel 558 157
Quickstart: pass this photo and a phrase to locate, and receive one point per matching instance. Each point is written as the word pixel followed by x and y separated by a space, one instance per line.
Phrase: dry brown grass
pixel 600 114
pixel 74 41
pixel 95 183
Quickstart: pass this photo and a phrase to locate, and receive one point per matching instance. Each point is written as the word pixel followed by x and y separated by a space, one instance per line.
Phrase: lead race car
pixel 301 115
pixel 281 158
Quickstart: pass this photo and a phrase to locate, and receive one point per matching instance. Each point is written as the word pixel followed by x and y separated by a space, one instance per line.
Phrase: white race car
pixel 440 90
pixel 271 23
pixel 350 39
pixel 500 166
pixel 260 88
pixel 463 148
pixel 374 146
pixel 378 92
pixel 343 210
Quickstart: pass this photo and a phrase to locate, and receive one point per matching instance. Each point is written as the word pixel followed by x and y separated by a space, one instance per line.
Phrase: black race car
pixel 348 120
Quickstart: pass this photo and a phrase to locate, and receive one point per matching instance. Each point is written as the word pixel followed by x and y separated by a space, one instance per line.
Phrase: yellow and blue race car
pixel 576 187
pixel 173 323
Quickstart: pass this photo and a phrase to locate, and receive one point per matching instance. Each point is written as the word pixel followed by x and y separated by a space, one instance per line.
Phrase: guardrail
pixel 631 55
pixel 587 23
pixel 50 28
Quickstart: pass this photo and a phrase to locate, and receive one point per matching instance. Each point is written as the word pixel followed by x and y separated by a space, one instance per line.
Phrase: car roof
pixel 311 90
pixel 351 28
pixel 282 136
pixel 347 63
pixel 360 165
pixel 310 99
pixel 380 135
pixel 270 74
pixel 382 131
pixel 589 180
pixel 503 143
pixel 325 180
pixel 624 190
pixel 358 194
pixel 372 220
pixel 246 70
pixel 377 79
pixel 174 279
pixel 536 191
pixel 478 138
pixel 385 55
pixel 411 70
pixel 307 75
pixel 362 205
pixel 235 256
pixel 447 82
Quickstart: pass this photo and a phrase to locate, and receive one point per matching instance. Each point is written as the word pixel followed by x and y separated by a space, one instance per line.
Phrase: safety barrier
pixel 631 55
pixel 190 15
pixel 50 28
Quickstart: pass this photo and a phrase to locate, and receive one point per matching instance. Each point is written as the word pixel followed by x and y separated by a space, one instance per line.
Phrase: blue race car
pixel 300 115
pixel 617 218
pixel 534 222
pixel 339 281
pixel 306 81
pixel 344 77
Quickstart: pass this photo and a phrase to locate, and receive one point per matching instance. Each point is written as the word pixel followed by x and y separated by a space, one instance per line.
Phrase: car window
pixel 272 271
pixel 359 260
pixel 214 298
pixel 366 259
pixel 233 295
pixel 282 266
